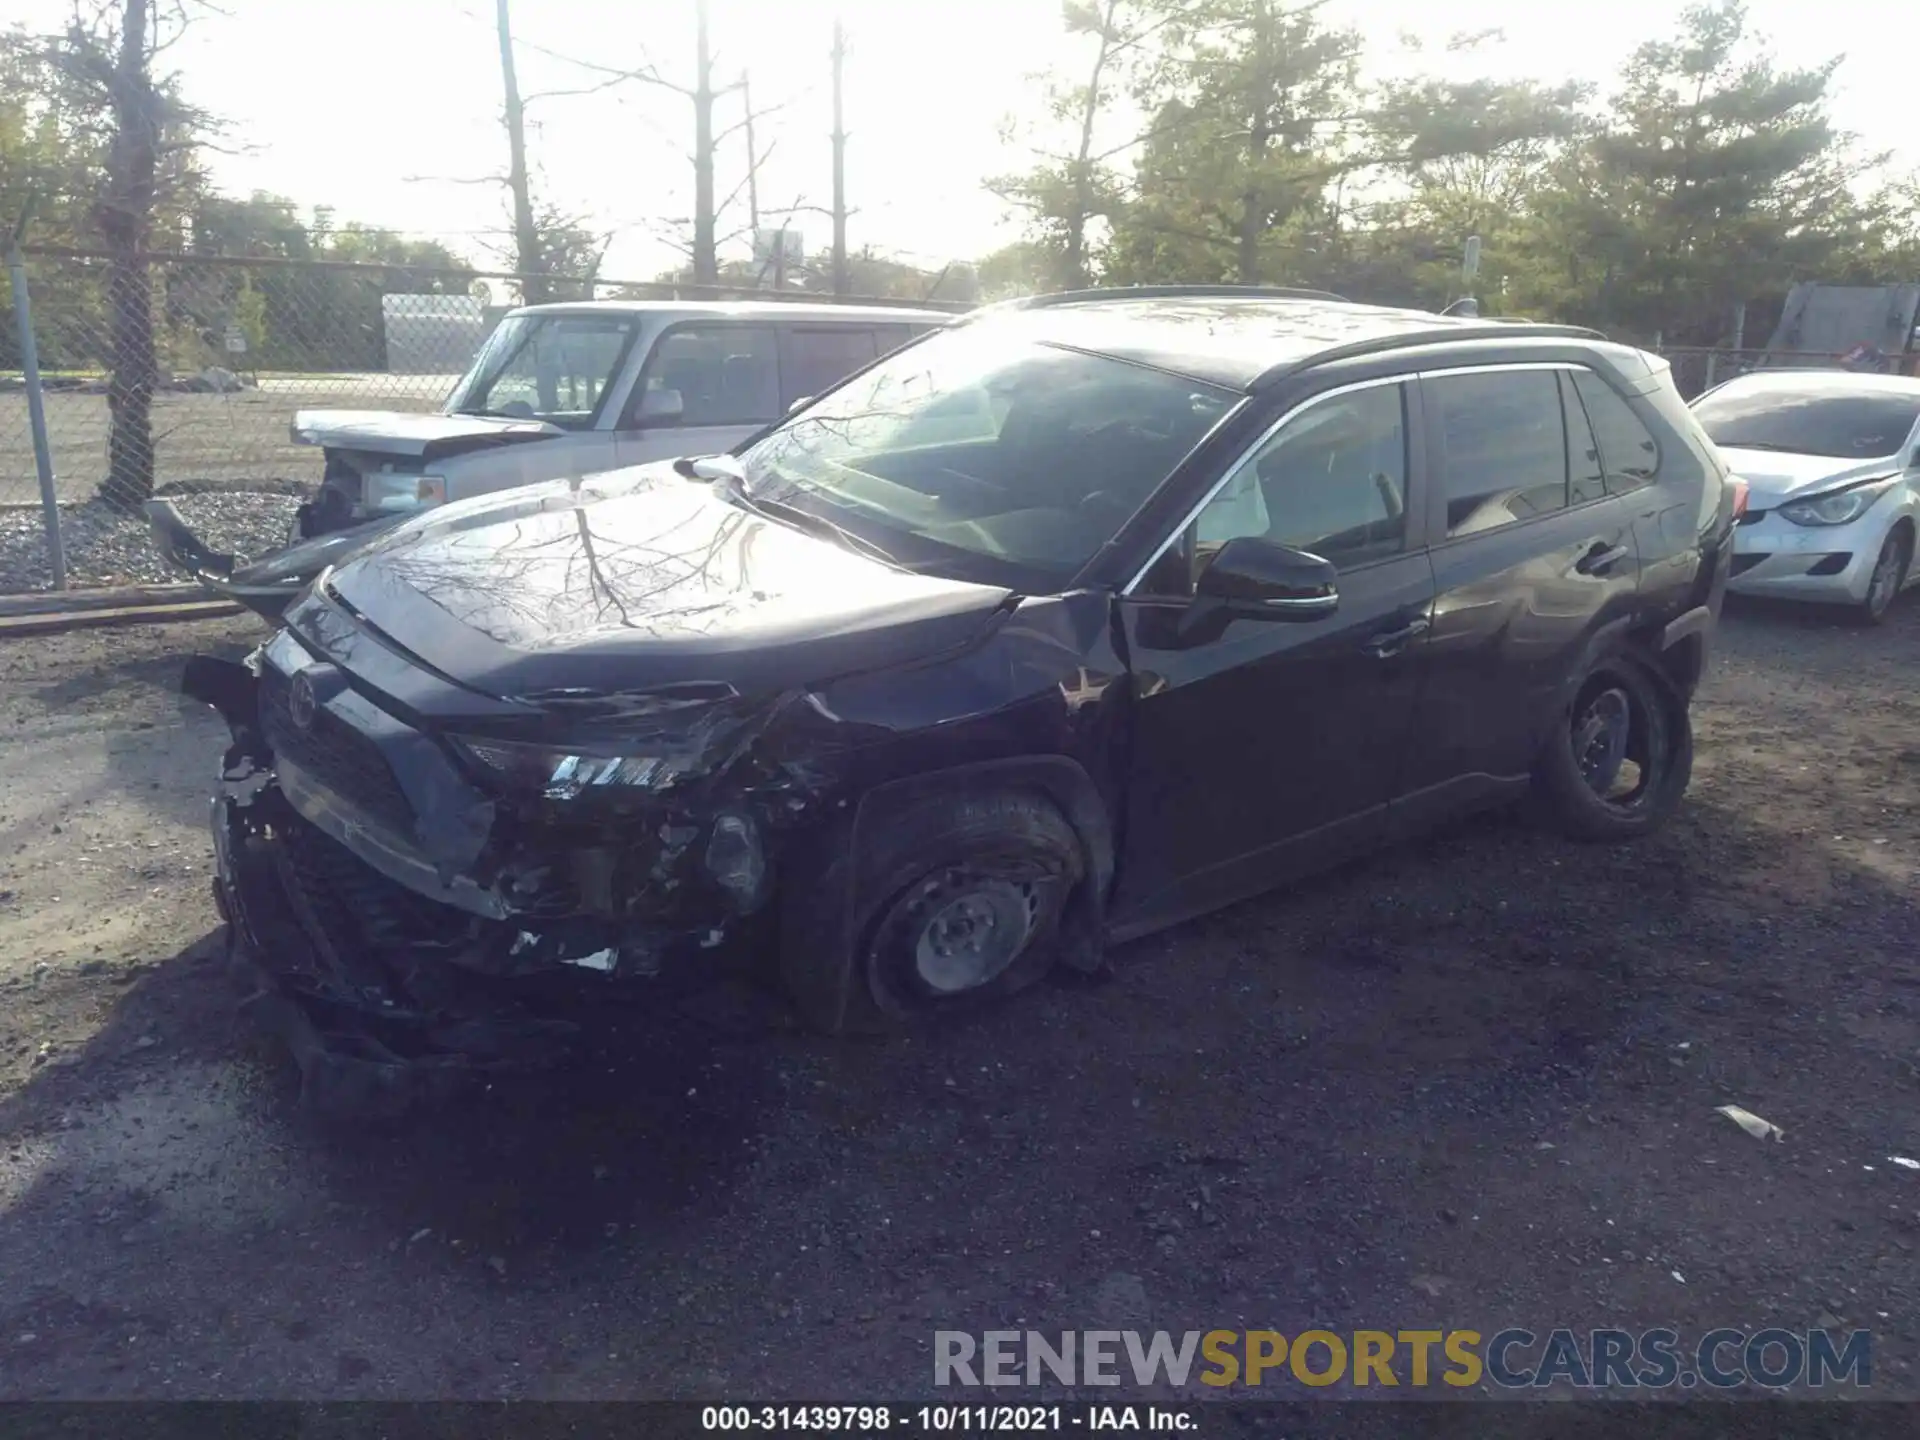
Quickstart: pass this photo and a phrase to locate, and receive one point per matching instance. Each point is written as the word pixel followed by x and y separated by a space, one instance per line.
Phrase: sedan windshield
pixel 556 368
pixel 1013 458
pixel 1815 419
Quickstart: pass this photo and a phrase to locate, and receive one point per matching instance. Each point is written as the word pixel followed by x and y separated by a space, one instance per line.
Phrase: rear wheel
pixel 1889 575
pixel 1620 757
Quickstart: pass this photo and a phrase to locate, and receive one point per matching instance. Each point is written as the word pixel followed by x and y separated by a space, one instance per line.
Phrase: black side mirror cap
pixel 1259 577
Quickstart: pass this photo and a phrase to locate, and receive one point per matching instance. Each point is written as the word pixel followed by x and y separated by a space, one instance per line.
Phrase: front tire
pixel 1888 578
pixel 1620 756
pixel 960 904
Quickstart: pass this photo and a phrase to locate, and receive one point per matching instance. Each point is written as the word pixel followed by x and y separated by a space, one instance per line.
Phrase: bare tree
pixel 703 95
pixel 529 254
pixel 105 64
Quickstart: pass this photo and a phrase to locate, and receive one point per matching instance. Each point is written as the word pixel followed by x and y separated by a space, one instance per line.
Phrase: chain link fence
pixel 236 347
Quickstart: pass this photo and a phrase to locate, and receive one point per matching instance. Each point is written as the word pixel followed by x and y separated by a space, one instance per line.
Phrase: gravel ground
pixel 107 546
pixel 1468 1083
pixel 223 437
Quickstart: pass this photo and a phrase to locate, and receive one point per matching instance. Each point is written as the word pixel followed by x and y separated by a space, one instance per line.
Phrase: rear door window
pixel 821 356
pixel 1504 446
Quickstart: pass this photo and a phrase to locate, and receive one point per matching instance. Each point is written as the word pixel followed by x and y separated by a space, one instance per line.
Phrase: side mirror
pixel 799 405
pixel 660 407
pixel 1262 578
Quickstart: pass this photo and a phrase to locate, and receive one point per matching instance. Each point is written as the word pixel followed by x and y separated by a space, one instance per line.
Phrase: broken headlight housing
pixel 564 772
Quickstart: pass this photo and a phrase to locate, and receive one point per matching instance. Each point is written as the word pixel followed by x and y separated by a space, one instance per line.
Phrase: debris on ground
pixel 1752 1123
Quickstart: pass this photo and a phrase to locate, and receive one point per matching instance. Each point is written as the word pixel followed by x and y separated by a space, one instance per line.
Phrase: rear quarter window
pixel 1629 454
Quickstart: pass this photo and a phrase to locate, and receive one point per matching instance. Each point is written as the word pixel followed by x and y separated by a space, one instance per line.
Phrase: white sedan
pixel 1832 463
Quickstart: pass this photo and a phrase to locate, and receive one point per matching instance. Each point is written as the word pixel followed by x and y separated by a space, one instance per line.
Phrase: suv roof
pixel 1242 339
pixel 737 310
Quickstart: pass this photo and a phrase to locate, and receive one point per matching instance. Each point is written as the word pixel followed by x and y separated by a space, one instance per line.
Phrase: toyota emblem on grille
pixel 302 703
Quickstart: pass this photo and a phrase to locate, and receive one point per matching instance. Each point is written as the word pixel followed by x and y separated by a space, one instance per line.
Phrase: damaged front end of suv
pixel 431 872
pixel 398 888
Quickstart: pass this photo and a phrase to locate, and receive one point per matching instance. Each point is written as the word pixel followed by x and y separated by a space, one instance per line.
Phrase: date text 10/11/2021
pixel 944 1419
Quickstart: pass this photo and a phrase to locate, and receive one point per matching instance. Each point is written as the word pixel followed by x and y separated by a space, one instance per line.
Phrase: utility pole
pixel 706 264
pixel 526 239
pixel 840 284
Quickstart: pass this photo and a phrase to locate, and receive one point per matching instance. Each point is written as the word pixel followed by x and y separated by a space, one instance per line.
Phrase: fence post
pixel 37 416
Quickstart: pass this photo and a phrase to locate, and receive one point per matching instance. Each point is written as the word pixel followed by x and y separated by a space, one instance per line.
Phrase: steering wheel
pixel 518 409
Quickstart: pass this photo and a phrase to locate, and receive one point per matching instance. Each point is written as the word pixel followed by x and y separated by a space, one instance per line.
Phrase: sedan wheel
pixel 1889 575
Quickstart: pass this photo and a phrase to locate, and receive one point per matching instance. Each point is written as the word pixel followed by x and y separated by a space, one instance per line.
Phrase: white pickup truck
pixel 557 392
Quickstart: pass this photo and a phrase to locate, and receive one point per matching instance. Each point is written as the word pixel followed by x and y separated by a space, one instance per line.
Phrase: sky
pixel 388 110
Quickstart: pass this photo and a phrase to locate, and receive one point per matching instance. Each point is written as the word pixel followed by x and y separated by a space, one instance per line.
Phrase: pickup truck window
pixel 549 367
pixel 821 356
pixel 725 374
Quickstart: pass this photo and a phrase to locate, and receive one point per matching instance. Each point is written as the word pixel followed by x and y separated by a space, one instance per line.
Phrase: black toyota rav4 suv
pixel 1087 615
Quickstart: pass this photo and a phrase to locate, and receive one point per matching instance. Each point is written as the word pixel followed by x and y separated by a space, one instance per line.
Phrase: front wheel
pixel 1889 575
pixel 1620 756
pixel 960 903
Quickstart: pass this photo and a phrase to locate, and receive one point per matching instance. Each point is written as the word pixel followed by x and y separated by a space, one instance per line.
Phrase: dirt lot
pixel 197 437
pixel 1468 1084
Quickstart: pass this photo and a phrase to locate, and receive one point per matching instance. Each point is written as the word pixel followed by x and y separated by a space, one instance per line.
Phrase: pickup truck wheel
pixel 1620 756
pixel 960 903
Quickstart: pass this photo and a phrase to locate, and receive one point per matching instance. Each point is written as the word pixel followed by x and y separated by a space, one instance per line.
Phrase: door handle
pixel 1391 642
pixel 1601 558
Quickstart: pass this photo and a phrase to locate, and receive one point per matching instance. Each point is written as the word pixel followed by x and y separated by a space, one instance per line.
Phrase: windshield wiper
pixel 1756 445
pixel 734 485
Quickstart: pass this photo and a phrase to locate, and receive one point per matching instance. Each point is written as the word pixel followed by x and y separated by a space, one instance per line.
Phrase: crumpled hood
pixel 638 579
pixel 394 432
pixel 1774 477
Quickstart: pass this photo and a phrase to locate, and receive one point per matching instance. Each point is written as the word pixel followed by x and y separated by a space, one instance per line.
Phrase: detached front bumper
pixel 265 586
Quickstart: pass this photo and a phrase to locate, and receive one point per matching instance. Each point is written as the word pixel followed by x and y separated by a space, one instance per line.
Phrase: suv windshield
pixel 972 446
pixel 557 368
pixel 1809 420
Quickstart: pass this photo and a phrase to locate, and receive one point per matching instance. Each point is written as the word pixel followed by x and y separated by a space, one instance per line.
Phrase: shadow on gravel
pixel 656 1116
pixel 161 672
pixel 1437 1073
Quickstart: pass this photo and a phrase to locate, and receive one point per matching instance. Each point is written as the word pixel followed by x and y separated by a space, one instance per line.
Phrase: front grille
pixel 1753 517
pixel 1744 563
pixel 338 757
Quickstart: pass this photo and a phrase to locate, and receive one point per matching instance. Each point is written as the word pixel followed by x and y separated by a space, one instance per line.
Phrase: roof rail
pixel 1438 335
pixel 1174 292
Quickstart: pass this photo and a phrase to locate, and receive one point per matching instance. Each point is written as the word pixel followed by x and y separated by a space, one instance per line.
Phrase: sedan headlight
pixel 560 772
pixel 386 492
pixel 1839 507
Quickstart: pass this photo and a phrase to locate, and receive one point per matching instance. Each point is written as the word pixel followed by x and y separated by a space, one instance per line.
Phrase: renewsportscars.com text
pixel 1511 1359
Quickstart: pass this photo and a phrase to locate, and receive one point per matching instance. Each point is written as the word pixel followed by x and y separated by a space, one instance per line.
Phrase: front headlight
pixel 386 492
pixel 565 772
pixel 1838 508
